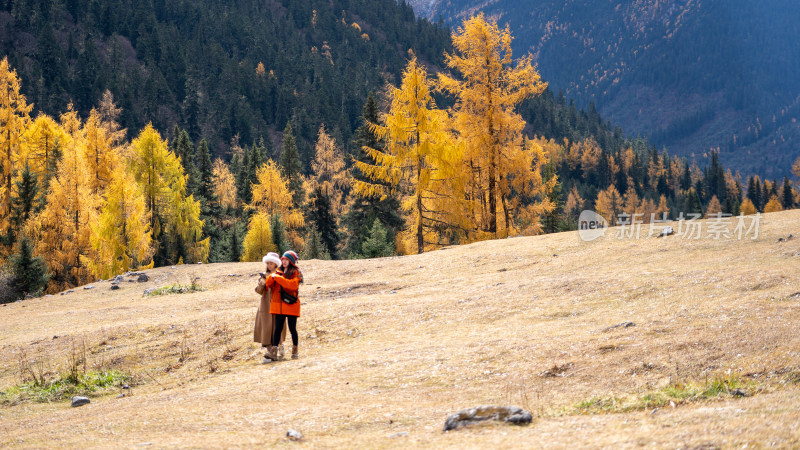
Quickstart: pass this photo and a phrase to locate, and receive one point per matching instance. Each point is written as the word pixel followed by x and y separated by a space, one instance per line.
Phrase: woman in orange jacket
pixel 285 302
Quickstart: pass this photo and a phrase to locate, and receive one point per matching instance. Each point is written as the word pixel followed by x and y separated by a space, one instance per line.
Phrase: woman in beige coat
pixel 265 322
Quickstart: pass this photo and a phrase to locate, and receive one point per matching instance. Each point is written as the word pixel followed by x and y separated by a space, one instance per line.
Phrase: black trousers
pixel 279 320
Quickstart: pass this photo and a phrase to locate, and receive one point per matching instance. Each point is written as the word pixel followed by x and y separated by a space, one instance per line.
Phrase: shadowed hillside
pixel 691 75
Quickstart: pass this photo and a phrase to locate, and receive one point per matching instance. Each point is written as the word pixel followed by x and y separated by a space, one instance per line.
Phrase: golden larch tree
pixel 489 89
pixel 609 204
pixel 631 202
pixel 62 231
pixel 329 171
pixel 45 139
pixel 418 163
pixel 174 216
pixel 101 150
pixel 121 236
pixel 773 205
pixel 258 240
pixel 14 119
pixel 714 207
pixel 747 208
pixel 224 184
pixel 271 195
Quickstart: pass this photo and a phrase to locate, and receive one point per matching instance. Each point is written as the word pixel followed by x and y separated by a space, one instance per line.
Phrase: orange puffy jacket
pixel 290 286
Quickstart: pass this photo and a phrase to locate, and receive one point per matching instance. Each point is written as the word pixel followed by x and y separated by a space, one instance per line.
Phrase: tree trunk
pixel 492 155
pixel 507 215
pixel 420 240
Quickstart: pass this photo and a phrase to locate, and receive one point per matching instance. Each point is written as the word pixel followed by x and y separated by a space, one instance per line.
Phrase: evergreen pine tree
pixel 278 234
pixel 243 178
pixel 291 166
pixel 30 273
pixel 26 200
pixel 235 242
pixel 786 194
pixel 364 211
pixel 205 170
pixel 693 203
pixel 320 216
pixel 316 248
pixel 377 243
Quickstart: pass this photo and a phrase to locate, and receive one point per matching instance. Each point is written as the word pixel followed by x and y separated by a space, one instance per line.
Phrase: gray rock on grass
pixel 469 416
pixel 294 435
pixel 667 231
pixel 80 401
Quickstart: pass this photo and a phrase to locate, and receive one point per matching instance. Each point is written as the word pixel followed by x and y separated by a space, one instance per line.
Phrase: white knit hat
pixel 272 257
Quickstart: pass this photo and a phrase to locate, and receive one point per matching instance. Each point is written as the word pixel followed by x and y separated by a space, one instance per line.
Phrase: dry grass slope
pixel 396 344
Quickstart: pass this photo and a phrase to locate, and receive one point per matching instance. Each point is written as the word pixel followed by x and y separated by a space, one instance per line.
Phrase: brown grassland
pixel 394 345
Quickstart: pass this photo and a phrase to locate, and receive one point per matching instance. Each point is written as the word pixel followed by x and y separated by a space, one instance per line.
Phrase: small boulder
pixel 620 325
pixel 114 287
pixel 294 435
pixel 119 279
pixel 667 231
pixel 143 278
pixel 88 287
pixel 469 416
pixel 80 401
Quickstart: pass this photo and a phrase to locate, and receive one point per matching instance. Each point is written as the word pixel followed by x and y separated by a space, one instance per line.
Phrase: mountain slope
pixel 394 345
pixel 691 74
pixel 197 63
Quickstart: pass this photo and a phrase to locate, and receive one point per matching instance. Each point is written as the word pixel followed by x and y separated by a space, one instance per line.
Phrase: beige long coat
pixel 265 322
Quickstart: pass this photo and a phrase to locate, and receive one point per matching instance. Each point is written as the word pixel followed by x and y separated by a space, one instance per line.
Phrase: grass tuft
pixel 174 289
pixel 674 394
pixel 64 387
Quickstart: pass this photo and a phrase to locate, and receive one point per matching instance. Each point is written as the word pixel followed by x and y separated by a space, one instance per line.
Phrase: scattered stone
pixel 509 414
pixel 55 337
pixel 556 370
pixel 67 292
pixel 125 386
pixel 131 281
pixel 620 325
pixel 28 296
pixel 143 278
pixel 294 435
pixel 393 292
pixel 780 239
pixel 199 262
pixel 399 435
pixel 80 401
pixel 47 295
pixel 88 287
pixel 502 270
pixel 232 275
pixel 738 393
pixel 119 279
pixel 121 396
pixel 667 231
pixel 149 291
pixel 114 287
